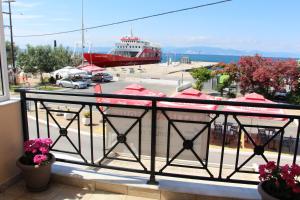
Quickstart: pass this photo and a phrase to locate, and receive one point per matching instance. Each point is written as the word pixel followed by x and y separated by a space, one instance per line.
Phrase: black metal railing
pixel 157 128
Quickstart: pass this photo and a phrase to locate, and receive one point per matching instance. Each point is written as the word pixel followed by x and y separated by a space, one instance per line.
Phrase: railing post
pixel 296 142
pixel 152 180
pixel 223 145
pixel 24 114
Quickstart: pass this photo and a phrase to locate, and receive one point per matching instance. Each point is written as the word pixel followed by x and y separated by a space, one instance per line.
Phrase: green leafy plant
pixel 87 114
pixel 201 75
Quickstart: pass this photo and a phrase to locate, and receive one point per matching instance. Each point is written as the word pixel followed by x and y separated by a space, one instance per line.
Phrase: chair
pixel 261 131
pixel 262 135
pixel 218 130
pixel 232 133
pixel 288 142
pixel 270 131
pixel 276 139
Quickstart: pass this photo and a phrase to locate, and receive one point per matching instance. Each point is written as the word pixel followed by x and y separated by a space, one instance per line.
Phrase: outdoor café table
pixel 276 140
pixel 254 98
pixel 265 134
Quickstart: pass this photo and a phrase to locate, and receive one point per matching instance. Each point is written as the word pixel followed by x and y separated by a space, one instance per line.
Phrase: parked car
pixel 281 95
pixel 102 77
pixel 85 78
pixel 72 83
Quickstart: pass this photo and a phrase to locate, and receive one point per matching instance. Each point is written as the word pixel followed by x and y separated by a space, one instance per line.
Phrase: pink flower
pixel 295 170
pixel 271 166
pixel 286 177
pixel 290 182
pixel 28 145
pixel 39 158
pixel 285 172
pixel 37 143
pixel 47 141
pixel 44 150
pixel 262 172
pixel 262 169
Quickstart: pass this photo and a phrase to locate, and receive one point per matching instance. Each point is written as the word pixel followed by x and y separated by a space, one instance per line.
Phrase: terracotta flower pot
pixel 264 195
pixel 37 178
pixel 68 116
pixel 86 121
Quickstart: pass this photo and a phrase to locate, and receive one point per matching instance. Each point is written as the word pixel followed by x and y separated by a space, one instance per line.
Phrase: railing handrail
pixel 166 99
pixel 158 112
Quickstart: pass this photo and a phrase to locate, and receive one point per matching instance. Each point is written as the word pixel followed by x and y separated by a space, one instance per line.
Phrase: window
pixel 4 92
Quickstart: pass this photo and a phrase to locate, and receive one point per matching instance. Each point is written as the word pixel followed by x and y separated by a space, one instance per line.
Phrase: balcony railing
pixel 215 145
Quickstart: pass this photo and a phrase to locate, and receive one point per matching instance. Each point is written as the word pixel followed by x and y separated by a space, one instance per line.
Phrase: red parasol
pixel 135 90
pixel 190 94
pixel 254 98
pixel 91 68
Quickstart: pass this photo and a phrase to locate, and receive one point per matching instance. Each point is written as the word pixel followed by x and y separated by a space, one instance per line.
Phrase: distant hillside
pixel 212 51
pixel 222 51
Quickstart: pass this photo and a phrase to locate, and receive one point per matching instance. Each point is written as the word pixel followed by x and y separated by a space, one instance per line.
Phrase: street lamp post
pixel 82 33
pixel 11 40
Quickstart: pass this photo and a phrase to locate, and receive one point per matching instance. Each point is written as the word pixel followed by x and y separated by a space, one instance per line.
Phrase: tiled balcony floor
pixel 58 191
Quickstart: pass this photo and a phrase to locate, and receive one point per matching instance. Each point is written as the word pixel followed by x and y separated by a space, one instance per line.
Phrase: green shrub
pixel 231 95
pixel 293 98
pixel 201 75
pixel 86 114
pixel 52 80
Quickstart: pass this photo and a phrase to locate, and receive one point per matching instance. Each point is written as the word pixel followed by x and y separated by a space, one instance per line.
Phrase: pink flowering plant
pixel 281 182
pixel 37 152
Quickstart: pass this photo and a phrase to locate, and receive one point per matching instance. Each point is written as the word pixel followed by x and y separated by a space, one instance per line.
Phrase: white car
pixel 72 83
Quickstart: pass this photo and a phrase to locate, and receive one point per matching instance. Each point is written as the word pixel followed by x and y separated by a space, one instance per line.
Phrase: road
pixel 109 87
pixel 85 143
pixel 64 144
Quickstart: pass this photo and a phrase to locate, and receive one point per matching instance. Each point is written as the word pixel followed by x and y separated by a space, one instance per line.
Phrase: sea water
pixel 206 58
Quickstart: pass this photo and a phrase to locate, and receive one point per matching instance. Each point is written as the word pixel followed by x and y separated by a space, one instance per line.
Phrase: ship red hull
pixel 109 60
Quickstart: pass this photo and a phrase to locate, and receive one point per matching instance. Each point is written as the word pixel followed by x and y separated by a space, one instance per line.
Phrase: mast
pixel 82 33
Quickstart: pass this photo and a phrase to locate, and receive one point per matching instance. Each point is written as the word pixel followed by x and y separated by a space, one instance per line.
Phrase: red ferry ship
pixel 129 51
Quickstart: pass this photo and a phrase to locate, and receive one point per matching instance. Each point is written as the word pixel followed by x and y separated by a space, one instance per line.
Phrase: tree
pixel 37 59
pixel 286 73
pixel 25 60
pixel 45 59
pixel 62 57
pixel 201 75
pixel 76 60
pixel 267 76
pixel 228 73
pixel 8 52
pixel 224 82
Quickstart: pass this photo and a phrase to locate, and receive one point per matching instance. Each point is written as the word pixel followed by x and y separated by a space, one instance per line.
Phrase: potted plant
pixel 40 105
pixel 36 164
pixel 279 182
pixel 86 120
pixel 59 113
pixel 68 116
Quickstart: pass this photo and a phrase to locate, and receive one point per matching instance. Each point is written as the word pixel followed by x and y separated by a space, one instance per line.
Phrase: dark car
pixel 281 95
pixel 102 77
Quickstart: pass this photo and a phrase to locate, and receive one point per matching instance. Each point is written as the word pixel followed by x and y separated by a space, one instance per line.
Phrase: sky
pixel 264 25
